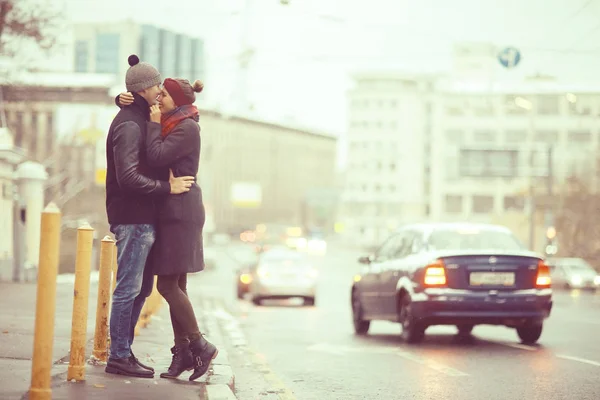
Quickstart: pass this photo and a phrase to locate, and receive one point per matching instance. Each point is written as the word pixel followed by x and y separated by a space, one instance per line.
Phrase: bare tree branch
pixel 26 20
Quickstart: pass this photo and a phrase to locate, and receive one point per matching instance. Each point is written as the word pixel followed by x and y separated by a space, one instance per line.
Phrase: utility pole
pixel 531 202
pixel 551 248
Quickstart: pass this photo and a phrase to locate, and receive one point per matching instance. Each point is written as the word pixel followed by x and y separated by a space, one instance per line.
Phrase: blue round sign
pixel 509 57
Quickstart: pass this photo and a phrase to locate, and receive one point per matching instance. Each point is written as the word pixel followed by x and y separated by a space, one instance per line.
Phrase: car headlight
pixel 597 280
pixel 262 272
pixel 313 273
pixel 576 280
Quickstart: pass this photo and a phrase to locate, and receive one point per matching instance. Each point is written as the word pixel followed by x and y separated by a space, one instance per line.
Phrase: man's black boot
pixel 127 367
pixel 137 361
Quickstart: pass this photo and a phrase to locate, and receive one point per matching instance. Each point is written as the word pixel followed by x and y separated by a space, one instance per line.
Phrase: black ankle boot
pixel 204 352
pixel 127 367
pixel 182 361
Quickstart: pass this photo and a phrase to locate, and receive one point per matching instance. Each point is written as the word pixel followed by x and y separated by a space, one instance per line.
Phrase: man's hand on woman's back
pixel 180 184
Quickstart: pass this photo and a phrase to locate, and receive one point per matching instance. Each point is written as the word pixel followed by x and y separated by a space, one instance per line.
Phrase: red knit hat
pixel 175 91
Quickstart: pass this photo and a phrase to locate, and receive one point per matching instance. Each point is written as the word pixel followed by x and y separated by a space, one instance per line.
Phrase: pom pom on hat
pixel 133 60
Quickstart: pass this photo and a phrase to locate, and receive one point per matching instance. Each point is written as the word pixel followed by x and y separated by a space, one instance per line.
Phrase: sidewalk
pixel 17 314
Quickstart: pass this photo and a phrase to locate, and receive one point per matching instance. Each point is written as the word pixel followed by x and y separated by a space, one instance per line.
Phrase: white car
pixel 573 273
pixel 281 274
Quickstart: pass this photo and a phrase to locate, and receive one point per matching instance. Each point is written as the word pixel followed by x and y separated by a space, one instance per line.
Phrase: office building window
pixel 483 204
pixel 579 105
pixel 517 105
pixel 107 53
pixel 198 62
pixel 515 136
pixel 455 136
pixel 453 204
pixel 81 56
pixel 488 163
pixel 484 136
pixel 546 136
pixel 579 137
pixel 548 104
pixel 514 203
pixel 483 107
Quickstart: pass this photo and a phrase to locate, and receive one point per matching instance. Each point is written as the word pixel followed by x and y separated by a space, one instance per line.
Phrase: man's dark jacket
pixel 132 187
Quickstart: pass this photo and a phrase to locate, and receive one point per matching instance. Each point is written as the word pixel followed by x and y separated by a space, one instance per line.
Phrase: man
pixel 131 190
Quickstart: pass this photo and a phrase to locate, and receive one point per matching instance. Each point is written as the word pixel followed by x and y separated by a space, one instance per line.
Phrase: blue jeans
pixel 134 284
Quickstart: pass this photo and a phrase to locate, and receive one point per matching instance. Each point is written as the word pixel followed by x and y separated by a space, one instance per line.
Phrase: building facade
pixel 387 181
pixel 254 172
pixel 492 144
pixel 104 48
pixel 447 148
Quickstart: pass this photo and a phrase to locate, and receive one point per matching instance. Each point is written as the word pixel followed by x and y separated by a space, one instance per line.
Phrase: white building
pixel 492 142
pixel 465 146
pixel 105 47
pixel 387 179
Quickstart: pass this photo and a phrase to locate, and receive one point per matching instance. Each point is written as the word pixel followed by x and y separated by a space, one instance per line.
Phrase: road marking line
pixel 276 383
pixel 431 364
pixel 581 360
pixel 519 346
pixel 342 350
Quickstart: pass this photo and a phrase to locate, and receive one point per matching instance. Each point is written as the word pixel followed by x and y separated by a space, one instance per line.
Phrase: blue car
pixel 460 274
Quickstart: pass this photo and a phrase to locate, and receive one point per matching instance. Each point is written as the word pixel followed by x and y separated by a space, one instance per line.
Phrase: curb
pixel 220 383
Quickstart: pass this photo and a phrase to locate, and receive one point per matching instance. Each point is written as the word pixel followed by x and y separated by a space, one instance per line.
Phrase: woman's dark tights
pixel 174 289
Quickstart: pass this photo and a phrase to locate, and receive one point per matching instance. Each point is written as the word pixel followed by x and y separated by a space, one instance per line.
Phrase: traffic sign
pixel 509 57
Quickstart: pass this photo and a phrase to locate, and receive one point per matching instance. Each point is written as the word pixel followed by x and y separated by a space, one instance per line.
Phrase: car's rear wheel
pixel 530 332
pixel 240 292
pixel 361 326
pixel 309 301
pixel 465 329
pixel 412 330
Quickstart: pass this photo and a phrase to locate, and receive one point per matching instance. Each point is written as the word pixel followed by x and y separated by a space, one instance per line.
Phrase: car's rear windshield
pixel 473 239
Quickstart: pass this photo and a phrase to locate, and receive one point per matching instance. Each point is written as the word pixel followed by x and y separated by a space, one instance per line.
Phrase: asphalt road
pixel 296 352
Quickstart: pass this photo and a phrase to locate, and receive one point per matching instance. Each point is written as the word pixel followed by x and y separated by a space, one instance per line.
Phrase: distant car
pixel 453 274
pixel 278 274
pixel 573 273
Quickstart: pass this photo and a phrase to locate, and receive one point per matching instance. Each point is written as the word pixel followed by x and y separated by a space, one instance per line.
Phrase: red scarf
pixel 171 119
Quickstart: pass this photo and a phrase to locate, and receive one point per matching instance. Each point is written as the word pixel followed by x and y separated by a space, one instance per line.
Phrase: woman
pixel 173 141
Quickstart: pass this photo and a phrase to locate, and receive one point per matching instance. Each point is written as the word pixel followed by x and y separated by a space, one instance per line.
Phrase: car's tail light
pixel 435 274
pixel 245 278
pixel 543 276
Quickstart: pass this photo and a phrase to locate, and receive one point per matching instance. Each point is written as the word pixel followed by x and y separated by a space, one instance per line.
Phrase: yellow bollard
pixel 45 307
pixel 102 306
pixel 81 294
pixel 151 306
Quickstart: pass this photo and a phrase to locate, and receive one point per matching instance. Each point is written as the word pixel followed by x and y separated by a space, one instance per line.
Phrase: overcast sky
pixel 305 50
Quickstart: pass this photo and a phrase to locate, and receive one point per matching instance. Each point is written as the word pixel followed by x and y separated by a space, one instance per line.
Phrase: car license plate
pixel 492 278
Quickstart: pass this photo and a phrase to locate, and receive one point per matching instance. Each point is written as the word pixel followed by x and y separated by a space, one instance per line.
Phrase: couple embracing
pixel 156 213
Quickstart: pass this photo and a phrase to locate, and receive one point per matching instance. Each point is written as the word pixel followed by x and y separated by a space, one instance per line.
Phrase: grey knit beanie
pixel 140 75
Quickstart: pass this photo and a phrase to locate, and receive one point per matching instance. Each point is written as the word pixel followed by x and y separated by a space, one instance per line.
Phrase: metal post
pixel 18 239
pixel 83 259
pixel 531 204
pixel 102 306
pixel 45 304
pixel 549 214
